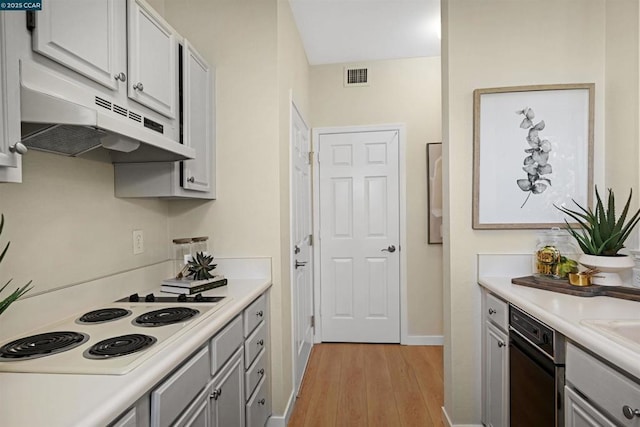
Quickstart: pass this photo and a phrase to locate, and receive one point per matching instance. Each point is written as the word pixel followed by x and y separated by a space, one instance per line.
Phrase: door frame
pixel 402 175
pixel 293 107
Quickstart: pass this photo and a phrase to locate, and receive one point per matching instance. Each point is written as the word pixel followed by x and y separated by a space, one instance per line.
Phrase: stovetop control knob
pixel 198 298
pixel 182 298
pixel 150 298
pixel 134 298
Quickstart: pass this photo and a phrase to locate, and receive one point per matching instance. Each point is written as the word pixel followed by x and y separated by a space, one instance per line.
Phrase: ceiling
pixel 339 31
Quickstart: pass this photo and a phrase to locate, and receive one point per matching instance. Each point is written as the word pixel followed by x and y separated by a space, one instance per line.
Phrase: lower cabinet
pixel 226 404
pixel 495 361
pixel 579 413
pixel 225 383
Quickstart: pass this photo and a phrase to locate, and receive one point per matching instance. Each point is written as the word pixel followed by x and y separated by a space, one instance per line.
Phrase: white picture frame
pixel 533 150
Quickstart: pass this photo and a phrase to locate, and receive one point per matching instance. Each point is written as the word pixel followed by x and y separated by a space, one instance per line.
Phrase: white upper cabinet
pixel 10 149
pixel 152 59
pixel 198 117
pixel 87 36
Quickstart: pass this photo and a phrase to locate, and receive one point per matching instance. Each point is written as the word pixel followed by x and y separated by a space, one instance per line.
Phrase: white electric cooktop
pixel 94 343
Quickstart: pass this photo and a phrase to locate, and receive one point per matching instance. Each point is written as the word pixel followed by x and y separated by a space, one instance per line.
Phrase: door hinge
pixel 310 157
pixel 31 20
pixel 310 239
pixel 313 321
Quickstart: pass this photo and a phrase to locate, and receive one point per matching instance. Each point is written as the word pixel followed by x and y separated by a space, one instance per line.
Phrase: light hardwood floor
pixel 373 385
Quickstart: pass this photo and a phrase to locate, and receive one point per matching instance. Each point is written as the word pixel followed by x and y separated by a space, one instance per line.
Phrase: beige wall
pixel 401 91
pixel 258 57
pixel 66 226
pixel 496 43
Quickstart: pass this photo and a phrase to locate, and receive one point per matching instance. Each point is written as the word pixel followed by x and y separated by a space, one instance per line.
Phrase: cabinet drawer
pixel 602 385
pixel 254 314
pixel 175 393
pixel 497 311
pixel 259 406
pixel 127 420
pixel 225 343
pixel 255 373
pixel 254 344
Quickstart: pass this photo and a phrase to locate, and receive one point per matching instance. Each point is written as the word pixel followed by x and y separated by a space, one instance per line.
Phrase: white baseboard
pixel 424 340
pixel 283 420
pixel 447 421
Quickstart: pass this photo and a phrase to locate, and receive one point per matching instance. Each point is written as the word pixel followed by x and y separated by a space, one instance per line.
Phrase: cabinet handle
pixel 262 401
pixel 492 311
pixel 260 313
pixel 501 344
pixel 18 148
pixel 216 393
pixel 138 86
pixel 629 413
pixel 261 342
pixel 121 76
pixel 261 372
pixel 192 179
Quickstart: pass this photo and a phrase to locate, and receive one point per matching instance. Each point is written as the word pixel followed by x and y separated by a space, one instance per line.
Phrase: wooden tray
pixel 563 287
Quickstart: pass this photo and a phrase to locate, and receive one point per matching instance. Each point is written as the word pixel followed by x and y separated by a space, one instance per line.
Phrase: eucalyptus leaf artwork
pixel 536 163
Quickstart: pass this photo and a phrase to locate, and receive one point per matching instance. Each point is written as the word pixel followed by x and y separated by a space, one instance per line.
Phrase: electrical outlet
pixel 138 242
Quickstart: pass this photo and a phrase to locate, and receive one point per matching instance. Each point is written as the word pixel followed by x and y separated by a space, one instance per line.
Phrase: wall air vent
pixel 357 76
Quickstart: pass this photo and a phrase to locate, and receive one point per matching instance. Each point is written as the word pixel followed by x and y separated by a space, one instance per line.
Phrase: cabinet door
pixel 495 377
pixel 152 59
pixel 197 415
pixel 86 36
pixel 10 158
pixel 227 394
pixel 579 413
pixel 198 119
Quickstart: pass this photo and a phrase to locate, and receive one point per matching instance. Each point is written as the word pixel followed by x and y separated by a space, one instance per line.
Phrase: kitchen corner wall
pixel 259 58
pixel 401 91
pixel 496 43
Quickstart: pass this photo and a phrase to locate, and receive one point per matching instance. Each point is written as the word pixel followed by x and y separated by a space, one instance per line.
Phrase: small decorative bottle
pixel 556 254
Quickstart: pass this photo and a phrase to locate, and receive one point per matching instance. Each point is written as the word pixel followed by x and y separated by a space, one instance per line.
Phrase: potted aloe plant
pixel 601 236
pixel 6 302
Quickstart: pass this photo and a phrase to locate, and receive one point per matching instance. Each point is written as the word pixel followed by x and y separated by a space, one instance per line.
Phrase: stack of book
pixel 190 287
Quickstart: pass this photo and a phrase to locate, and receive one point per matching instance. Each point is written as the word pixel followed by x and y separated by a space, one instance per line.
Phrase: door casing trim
pixel 402 183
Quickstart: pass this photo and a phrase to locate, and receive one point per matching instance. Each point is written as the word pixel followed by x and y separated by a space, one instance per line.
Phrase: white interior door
pixel 359 236
pixel 301 250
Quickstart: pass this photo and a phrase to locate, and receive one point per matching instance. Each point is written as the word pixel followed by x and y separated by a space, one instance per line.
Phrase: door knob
pixel 192 179
pixel 629 412
pixel 121 76
pixel 300 264
pixel 296 249
pixel 391 249
pixel 138 86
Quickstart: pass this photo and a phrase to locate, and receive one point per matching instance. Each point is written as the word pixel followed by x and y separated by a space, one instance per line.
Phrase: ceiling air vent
pixel 356 77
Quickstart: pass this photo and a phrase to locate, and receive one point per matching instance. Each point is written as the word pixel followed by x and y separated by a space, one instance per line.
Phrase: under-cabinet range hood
pixel 65 117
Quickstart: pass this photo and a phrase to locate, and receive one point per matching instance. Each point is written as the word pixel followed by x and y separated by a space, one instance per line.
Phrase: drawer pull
pixel 260 313
pixel 217 392
pixel 629 413
pixel 262 401
pixel 260 343
pixel 501 344
pixel 492 311
pixel 261 372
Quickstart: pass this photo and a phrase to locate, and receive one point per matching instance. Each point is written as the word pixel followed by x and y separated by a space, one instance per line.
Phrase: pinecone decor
pixel 200 266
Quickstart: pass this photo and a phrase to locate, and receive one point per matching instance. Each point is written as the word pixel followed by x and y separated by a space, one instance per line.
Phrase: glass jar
pixel 181 254
pixel 556 254
pixel 200 244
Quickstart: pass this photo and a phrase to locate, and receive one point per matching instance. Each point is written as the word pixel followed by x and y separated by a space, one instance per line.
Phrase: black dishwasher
pixel 536 372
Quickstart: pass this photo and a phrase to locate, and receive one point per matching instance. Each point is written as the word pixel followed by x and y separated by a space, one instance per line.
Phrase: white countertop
pixel 564 313
pixel 67 400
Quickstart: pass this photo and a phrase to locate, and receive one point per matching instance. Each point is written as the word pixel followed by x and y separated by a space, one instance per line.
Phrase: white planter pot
pixel 609 266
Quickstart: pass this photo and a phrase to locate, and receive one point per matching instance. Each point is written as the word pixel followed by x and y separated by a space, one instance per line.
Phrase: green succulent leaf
pixel 19 292
pixel 600 233
pixel 200 266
